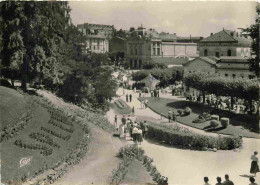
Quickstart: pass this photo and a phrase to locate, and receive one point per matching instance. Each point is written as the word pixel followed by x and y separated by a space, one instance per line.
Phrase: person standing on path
pixel 254 164
pixel 140 94
pixel 169 115
pixel 133 111
pixel 126 97
pixel 115 123
pixel 130 97
pixel 146 103
pixel 123 120
pixel 227 181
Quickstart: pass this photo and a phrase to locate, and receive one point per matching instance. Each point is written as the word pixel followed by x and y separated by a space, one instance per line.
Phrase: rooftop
pixel 227 36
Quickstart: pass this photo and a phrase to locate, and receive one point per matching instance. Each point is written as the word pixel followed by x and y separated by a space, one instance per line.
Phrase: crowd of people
pixel 227 181
pixel 136 130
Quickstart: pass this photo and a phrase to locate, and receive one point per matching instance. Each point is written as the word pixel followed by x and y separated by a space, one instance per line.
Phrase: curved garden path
pixel 187 167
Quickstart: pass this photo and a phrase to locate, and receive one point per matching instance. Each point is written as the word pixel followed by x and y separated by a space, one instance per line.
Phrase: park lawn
pixel 119 110
pixel 10 99
pixel 12 154
pixel 163 105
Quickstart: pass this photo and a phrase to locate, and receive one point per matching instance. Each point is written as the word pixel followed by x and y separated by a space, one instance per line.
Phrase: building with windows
pixel 144 46
pixel 98 36
pixel 225 43
pixel 229 67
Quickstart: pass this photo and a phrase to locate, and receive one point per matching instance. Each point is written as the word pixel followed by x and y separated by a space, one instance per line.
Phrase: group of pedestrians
pixel 128 97
pixel 219 181
pixel 171 115
pixel 144 103
pixel 137 131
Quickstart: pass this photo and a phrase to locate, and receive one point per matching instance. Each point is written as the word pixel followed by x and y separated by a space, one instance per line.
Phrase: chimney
pixel 232 34
pixel 211 34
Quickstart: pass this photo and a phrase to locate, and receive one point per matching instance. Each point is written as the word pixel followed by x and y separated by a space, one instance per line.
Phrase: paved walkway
pixel 187 167
pixel 142 113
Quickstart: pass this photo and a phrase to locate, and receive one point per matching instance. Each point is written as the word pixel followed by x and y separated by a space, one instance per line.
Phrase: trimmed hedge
pixel 224 122
pixel 214 123
pixel 191 140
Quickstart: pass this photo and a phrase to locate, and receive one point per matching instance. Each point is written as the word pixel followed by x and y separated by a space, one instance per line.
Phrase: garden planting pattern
pixel 50 139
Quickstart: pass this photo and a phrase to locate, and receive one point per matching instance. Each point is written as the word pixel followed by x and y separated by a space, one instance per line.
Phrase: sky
pixel 195 18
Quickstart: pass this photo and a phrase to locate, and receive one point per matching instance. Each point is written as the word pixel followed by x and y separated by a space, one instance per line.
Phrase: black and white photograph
pixel 140 92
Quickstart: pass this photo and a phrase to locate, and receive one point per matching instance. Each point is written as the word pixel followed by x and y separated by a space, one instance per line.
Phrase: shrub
pixel 214 123
pixel 189 139
pixel 187 111
pixel 215 117
pixel 180 112
pixel 224 122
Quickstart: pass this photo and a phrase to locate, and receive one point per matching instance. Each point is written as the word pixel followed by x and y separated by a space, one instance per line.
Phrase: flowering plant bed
pixel 130 153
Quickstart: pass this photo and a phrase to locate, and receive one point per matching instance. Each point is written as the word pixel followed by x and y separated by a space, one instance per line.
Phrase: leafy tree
pixel 253 31
pixel 33 37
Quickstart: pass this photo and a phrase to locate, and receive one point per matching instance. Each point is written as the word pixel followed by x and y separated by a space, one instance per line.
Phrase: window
pixel 205 52
pixel 153 51
pixel 226 75
pixel 131 62
pixel 229 52
pixel 217 54
pixel 233 75
pixel 158 51
pixel 136 51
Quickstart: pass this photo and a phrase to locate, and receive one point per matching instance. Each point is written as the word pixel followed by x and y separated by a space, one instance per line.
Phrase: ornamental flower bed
pixel 59 135
pixel 70 130
pixel 43 139
pixel 191 140
pixel 45 151
pixel 128 154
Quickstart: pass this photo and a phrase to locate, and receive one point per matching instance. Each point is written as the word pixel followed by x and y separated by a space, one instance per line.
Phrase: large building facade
pixel 144 46
pixel 225 43
pixel 98 36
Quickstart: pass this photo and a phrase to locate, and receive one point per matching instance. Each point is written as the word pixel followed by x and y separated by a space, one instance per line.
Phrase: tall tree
pixel 254 33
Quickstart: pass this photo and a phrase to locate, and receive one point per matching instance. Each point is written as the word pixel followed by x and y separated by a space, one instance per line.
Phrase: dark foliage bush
pixel 224 122
pixel 214 123
pixel 191 140
pixel 180 112
pixel 187 111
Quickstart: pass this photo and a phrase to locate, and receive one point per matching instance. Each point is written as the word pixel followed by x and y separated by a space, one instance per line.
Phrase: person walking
pixel 115 122
pixel 139 136
pixel 252 180
pixel 169 115
pixel 219 181
pixel 140 94
pixel 145 130
pixel 206 180
pixel 134 133
pixel 133 111
pixel 254 164
pixel 123 120
pixel 227 181
pixel 126 97
pixel 142 104
pixel 146 103
pixel 130 97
